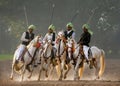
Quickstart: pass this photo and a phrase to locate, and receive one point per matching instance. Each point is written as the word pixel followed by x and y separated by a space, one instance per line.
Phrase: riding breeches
pixel 20 51
pixel 85 49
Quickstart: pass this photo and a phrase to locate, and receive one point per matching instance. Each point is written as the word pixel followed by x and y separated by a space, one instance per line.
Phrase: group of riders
pixel 50 36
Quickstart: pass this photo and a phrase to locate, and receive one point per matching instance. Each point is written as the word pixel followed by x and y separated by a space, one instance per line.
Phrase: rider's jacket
pixel 69 34
pixel 26 37
pixel 85 39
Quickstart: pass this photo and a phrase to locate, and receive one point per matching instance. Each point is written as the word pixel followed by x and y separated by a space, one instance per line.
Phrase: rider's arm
pixel 73 35
pixel 23 37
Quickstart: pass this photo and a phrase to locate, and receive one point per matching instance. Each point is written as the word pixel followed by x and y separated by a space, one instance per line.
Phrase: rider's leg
pixel 22 52
pixel 85 49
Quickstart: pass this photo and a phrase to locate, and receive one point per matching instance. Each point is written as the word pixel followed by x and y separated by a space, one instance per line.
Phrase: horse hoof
pixel 38 79
pixel 46 76
pixel 98 77
pixel 29 77
pixel 65 77
pixel 60 79
pixel 35 65
pixel 76 79
pixel 11 78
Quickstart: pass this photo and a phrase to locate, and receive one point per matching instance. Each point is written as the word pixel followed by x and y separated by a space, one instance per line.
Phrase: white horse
pixel 97 60
pixel 61 57
pixel 20 67
pixel 45 57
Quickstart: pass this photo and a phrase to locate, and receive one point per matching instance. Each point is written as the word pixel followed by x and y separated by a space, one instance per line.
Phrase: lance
pixel 90 18
pixel 74 16
pixel 51 18
pixel 26 18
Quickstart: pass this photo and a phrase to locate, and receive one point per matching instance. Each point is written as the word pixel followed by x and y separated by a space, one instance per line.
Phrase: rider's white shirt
pixel 73 35
pixel 23 37
pixel 48 37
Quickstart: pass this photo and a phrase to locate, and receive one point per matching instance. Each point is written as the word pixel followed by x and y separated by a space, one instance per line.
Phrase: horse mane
pixel 33 41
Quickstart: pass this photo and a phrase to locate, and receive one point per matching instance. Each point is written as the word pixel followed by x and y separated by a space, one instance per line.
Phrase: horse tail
pixel 102 63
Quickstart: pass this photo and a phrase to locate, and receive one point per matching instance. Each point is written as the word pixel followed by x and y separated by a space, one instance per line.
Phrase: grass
pixel 6 56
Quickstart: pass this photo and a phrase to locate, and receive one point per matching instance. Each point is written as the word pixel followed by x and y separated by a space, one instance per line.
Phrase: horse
pixel 61 56
pixel 45 58
pixel 20 67
pixel 97 58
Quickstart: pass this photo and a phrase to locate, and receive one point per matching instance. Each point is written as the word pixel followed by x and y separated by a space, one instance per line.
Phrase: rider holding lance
pixel 85 40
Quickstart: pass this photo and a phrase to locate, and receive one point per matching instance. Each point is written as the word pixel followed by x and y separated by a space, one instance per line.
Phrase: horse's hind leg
pixel 96 69
pixel 81 70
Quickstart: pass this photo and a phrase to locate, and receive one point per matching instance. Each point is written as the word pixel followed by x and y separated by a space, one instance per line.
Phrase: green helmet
pixel 52 27
pixel 69 25
pixel 86 26
pixel 32 27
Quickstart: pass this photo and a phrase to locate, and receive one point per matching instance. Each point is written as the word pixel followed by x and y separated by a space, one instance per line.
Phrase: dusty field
pixel 111 77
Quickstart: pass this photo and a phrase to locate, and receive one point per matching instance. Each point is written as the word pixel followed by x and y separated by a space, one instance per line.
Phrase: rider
pixel 26 37
pixel 69 33
pixel 50 37
pixel 85 40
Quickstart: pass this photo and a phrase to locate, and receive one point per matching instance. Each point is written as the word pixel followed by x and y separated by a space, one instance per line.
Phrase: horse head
pixel 34 42
pixel 60 43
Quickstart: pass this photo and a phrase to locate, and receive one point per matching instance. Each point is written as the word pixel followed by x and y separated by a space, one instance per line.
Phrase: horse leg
pixel 68 68
pixel 39 73
pixel 96 69
pixel 47 66
pixel 76 77
pixel 11 76
pixel 23 72
pixel 41 67
pixel 50 73
pixel 59 69
pixel 81 70
pixel 31 72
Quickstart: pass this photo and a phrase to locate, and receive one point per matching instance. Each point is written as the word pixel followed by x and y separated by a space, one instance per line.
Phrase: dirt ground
pixel 111 76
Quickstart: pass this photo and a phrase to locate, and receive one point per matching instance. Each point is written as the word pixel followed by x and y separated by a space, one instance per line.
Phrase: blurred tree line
pixel 103 17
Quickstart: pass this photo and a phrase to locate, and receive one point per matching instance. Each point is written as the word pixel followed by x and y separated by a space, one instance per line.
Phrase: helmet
pixel 32 27
pixel 69 25
pixel 52 27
